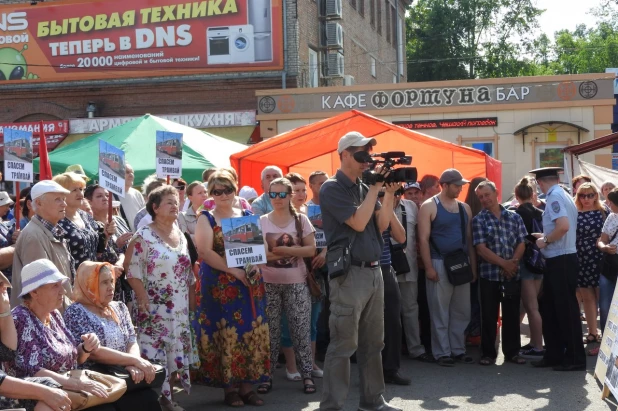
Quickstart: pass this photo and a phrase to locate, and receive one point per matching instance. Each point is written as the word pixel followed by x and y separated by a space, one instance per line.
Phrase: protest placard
pixel 314 212
pixel 243 241
pixel 18 155
pixel 169 154
pixel 111 168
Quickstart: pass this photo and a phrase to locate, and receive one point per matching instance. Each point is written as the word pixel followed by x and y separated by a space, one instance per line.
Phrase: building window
pixel 387 9
pixel 373 66
pixel 379 16
pixel 361 7
pixel 314 68
pixel 372 12
pixel 353 3
pixel 488 145
pixel 394 25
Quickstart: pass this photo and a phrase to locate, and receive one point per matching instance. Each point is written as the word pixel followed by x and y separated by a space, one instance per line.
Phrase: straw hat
pixel 38 273
pixel 78 169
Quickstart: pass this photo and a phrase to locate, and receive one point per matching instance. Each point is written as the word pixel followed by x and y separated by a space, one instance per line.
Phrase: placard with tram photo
pixel 243 240
pixel 111 168
pixel 18 155
pixel 169 154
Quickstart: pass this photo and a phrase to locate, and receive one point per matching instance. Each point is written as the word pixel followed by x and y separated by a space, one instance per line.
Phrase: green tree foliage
pixel 458 39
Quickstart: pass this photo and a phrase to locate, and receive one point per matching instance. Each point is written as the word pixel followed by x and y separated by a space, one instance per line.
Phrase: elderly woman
pixel 82 231
pixel 38 393
pixel 46 348
pixel 117 244
pixel 187 220
pixel 605 189
pixel 232 329
pixel 286 284
pixel 161 277
pixel 94 312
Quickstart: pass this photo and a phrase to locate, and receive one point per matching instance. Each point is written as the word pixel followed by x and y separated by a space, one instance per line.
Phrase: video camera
pixel 390 159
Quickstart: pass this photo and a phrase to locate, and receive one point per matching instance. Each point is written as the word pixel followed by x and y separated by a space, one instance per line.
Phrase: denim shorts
pixel 526 274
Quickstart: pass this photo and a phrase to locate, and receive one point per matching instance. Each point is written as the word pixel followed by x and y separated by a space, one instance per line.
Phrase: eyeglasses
pixel 180 187
pixel 274 194
pixel 218 192
pixel 589 195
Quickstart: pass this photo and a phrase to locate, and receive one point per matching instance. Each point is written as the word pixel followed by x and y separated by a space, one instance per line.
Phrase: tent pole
pixel 572 167
pixel 16 209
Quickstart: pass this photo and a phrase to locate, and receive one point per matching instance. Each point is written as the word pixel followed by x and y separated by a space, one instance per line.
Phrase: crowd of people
pixel 400 269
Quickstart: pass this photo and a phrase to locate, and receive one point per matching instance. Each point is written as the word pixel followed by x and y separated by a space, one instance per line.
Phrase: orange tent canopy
pixel 314 147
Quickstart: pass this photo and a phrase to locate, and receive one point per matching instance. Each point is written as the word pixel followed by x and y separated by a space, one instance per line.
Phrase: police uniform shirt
pixel 559 204
pixel 340 197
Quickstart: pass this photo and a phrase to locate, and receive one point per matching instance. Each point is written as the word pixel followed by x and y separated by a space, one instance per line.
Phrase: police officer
pixel 559 309
pixel 352 216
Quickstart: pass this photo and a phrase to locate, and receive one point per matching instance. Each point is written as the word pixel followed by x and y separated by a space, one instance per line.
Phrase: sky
pixel 565 14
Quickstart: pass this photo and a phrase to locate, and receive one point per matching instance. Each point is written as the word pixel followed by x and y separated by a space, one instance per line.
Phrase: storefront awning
pixel 592 145
pixel 551 123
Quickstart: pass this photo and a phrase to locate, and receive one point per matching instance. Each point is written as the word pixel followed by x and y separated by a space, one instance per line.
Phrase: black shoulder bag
pixel 457 263
pixel 399 260
pixel 338 255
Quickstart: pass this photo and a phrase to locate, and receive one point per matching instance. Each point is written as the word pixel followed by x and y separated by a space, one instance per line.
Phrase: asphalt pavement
pixel 504 386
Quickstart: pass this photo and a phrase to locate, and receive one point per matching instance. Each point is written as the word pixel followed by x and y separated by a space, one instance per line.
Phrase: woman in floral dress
pixel 231 327
pixel 160 274
pixel 590 221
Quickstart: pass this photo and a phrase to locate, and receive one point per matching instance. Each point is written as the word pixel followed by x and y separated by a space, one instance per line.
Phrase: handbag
pixel 399 260
pixel 120 372
pixel 610 263
pixel 533 258
pixel 80 400
pixel 457 263
pixel 314 287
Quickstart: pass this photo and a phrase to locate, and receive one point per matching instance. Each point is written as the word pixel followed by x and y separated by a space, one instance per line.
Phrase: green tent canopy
pixel 137 139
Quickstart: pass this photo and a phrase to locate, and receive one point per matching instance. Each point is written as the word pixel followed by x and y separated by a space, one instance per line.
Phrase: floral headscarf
pixel 86 289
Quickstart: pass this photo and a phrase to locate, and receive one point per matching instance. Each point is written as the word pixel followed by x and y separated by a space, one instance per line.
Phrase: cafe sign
pixel 421 97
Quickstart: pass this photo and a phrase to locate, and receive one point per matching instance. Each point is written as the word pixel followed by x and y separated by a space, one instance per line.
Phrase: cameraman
pixel 351 215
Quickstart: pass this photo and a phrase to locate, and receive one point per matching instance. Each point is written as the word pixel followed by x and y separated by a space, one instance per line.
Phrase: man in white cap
pixel 354 220
pixel 446 223
pixel 43 237
pixel 412 192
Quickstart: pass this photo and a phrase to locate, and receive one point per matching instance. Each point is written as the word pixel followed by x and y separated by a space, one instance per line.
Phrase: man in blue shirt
pixel 262 204
pixel 562 328
pixel 498 236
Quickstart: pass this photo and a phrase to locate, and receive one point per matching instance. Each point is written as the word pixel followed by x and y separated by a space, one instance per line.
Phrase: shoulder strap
pixel 360 189
pixel 299 229
pixel 614 236
pixel 124 216
pixel 211 219
pixel 463 222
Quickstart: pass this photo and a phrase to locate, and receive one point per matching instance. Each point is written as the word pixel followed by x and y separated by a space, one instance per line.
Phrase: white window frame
pixel 314 68
pixel 373 65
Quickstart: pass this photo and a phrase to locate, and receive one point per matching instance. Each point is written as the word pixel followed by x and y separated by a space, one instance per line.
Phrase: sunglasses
pixel 226 191
pixel 589 195
pixel 274 194
pixel 180 187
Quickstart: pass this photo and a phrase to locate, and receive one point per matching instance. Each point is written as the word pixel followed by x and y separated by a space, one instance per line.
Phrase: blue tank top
pixel 446 231
pixel 385 258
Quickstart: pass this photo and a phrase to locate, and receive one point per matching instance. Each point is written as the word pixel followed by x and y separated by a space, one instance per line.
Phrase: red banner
pixel 72 40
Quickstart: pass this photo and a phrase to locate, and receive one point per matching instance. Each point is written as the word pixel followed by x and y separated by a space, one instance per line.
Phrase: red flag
pixel 45 172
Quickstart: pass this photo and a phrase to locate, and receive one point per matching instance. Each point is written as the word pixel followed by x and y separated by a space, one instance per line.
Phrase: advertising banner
pixel 18 155
pixel 412 95
pixel 169 154
pixel 111 39
pixel 111 168
pixel 243 241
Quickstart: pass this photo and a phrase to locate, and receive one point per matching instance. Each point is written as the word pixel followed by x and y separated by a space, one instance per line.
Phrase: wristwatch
pixel 545 239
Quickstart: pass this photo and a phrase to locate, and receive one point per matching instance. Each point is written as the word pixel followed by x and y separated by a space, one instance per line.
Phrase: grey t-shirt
pixel 339 199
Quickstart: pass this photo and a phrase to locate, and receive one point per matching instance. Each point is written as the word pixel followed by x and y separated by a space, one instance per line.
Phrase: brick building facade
pixel 369 48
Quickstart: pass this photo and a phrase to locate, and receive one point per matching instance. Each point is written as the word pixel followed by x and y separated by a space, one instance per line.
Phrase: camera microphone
pixel 390 154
